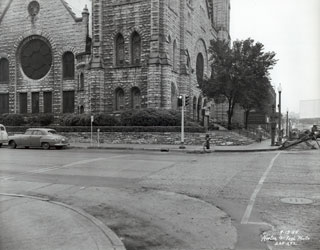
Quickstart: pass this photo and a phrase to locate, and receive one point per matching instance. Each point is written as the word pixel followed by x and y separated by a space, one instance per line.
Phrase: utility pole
pixel 287 124
pixel 279 106
pixel 273 126
pixel 182 146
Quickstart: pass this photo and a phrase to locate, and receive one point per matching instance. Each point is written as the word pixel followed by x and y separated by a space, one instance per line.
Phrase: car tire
pixel 45 145
pixel 12 144
pixel 0 145
pixel 59 147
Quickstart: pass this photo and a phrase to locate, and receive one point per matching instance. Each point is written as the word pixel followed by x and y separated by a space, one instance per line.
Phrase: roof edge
pixel 5 10
pixel 69 9
pixel 65 4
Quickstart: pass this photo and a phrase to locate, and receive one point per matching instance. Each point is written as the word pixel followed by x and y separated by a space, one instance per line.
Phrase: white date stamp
pixel 285 237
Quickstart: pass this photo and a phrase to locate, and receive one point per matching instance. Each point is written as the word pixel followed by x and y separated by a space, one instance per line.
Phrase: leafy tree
pixel 240 74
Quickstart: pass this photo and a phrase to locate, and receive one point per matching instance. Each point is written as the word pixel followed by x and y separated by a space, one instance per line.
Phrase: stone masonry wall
pixel 125 17
pixel 221 138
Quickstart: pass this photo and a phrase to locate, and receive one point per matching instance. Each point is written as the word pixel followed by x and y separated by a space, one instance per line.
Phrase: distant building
pixel 310 109
pixel 143 54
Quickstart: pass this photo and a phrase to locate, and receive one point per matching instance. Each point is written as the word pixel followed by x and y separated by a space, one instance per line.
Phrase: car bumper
pixel 60 144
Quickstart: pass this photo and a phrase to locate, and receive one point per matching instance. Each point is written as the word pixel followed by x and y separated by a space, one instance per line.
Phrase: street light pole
pixel 287 124
pixel 273 125
pixel 182 146
pixel 279 106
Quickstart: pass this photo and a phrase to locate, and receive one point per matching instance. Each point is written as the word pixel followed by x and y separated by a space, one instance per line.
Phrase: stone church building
pixel 138 54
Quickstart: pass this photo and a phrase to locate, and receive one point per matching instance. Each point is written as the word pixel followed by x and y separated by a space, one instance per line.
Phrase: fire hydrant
pixel 207 142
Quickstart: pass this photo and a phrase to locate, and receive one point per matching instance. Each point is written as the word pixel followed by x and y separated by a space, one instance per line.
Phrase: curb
pixel 189 151
pixel 112 237
pixel 246 150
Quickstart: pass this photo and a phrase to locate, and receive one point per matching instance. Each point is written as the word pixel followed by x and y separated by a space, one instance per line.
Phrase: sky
pixel 291 29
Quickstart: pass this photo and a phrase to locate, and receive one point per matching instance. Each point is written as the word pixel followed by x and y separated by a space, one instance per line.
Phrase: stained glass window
pixel 119 50
pixel 200 68
pixel 68 65
pixel 36 59
pixel 135 48
pixel 4 70
pixel 119 99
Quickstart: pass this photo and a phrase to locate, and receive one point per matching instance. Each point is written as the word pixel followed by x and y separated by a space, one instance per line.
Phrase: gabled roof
pixel 5 5
pixel 69 9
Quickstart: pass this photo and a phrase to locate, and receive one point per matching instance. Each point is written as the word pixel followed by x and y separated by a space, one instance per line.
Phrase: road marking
pixel 246 216
pixel 43 170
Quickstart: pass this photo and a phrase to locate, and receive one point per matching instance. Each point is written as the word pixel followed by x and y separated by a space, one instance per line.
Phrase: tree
pixel 239 73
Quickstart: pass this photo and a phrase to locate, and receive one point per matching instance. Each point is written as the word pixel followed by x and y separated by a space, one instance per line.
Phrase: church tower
pixel 221 18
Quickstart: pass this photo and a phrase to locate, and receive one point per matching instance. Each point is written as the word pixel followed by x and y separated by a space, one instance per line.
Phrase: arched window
pixel 4 70
pixel 119 50
pixel 135 48
pixel 188 59
pixel 119 94
pixel 174 56
pixel 68 65
pixel 135 98
pixel 194 108
pixel 199 107
pixel 81 81
pixel 200 68
pixel 174 103
pixel 81 109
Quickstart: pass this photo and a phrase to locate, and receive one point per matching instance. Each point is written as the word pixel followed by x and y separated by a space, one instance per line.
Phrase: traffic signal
pixel 180 101
pixel 187 100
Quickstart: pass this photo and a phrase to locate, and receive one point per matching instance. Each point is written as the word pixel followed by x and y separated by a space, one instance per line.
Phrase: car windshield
pixel 53 132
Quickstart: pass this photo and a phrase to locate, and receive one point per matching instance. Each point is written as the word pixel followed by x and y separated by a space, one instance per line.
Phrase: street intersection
pixel 169 200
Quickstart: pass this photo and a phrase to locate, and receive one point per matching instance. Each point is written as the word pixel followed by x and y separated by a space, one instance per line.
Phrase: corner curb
pixel 112 237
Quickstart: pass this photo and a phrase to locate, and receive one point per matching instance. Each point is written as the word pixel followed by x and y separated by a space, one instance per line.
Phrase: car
pixel 3 135
pixel 316 131
pixel 38 137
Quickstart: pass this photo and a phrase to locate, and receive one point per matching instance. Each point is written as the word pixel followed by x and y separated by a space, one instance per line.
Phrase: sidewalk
pixel 26 223
pixel 254 147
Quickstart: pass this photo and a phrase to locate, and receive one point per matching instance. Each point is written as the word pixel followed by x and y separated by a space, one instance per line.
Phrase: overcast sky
pixel 290 28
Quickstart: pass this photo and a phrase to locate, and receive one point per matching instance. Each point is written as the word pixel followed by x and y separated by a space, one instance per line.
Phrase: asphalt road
pixel 162 200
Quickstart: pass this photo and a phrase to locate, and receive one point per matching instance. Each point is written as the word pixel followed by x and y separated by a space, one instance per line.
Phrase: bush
pixel 150 117
pixel 85 120
pixel 46 119
pixel 75 120
pixel 105 120
pixel 12 120
pixel 31 120
pixel 212 127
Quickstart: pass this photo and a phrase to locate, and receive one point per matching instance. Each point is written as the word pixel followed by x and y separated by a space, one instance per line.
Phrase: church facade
pixel 140 54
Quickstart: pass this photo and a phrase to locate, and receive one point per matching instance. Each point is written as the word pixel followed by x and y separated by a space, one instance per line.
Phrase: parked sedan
pixel 3 135
pixel 38 137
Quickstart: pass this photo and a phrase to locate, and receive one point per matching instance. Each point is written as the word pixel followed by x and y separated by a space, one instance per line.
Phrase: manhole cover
pixel 296 201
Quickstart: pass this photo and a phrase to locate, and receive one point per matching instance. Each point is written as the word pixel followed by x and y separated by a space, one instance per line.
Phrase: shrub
pixel 85 120
pixel 31 120
pixel 75 120
pixel 46 119
pixel 105 120
pixel 212 126
pixel 150 117
pixel 12 119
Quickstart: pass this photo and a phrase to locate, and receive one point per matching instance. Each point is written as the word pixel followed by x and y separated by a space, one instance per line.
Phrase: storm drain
pixel 296 201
